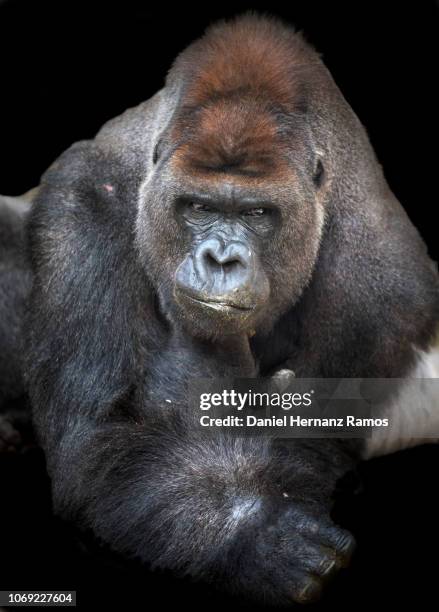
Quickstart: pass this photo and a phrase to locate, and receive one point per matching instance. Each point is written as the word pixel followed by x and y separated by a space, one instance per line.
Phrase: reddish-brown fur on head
pixel 240 79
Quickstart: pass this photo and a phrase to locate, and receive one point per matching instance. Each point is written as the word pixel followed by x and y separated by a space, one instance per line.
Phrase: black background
pixel 66 68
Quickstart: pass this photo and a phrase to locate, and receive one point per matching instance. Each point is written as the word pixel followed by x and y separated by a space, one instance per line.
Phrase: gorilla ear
pixel 319 174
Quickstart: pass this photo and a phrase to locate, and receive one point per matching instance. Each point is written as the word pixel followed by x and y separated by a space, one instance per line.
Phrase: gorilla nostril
pixel 210 259
pixel 211 262
pixel 223 263
pixel 228 265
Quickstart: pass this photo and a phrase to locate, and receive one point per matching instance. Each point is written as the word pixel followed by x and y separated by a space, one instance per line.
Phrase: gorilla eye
pixel 198 207
pixel 255 212
pixel 319 174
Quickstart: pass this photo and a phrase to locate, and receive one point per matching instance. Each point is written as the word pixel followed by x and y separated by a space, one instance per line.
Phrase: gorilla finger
pixel 305 524
pixel 306 590
pixel 323 533
pixel 339 540
pixel 320 561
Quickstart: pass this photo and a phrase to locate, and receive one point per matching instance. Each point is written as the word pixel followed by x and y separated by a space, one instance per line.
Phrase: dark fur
pixel 107 345
pixel 15 281
pixel 14 287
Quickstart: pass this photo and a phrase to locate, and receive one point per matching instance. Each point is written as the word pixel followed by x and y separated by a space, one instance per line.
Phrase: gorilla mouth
pixel 221 305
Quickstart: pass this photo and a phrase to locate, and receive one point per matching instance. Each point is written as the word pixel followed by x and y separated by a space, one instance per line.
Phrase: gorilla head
pixel 238 176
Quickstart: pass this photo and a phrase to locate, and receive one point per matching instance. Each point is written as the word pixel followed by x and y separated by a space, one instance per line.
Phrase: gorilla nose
pixel 223 275
pixel 214 256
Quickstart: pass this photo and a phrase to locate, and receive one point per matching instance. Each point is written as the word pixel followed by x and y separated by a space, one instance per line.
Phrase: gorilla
pixel 237 224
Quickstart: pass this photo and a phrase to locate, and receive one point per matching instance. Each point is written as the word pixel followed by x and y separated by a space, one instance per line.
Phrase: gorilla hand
pixel 294 556
pixel 286 546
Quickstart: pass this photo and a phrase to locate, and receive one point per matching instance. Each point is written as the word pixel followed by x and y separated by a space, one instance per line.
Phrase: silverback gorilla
pixel 235 224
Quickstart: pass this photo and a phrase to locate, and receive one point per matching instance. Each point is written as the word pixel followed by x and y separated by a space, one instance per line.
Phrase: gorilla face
pixel 222 279
pixel 233 213
pixel 228 253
